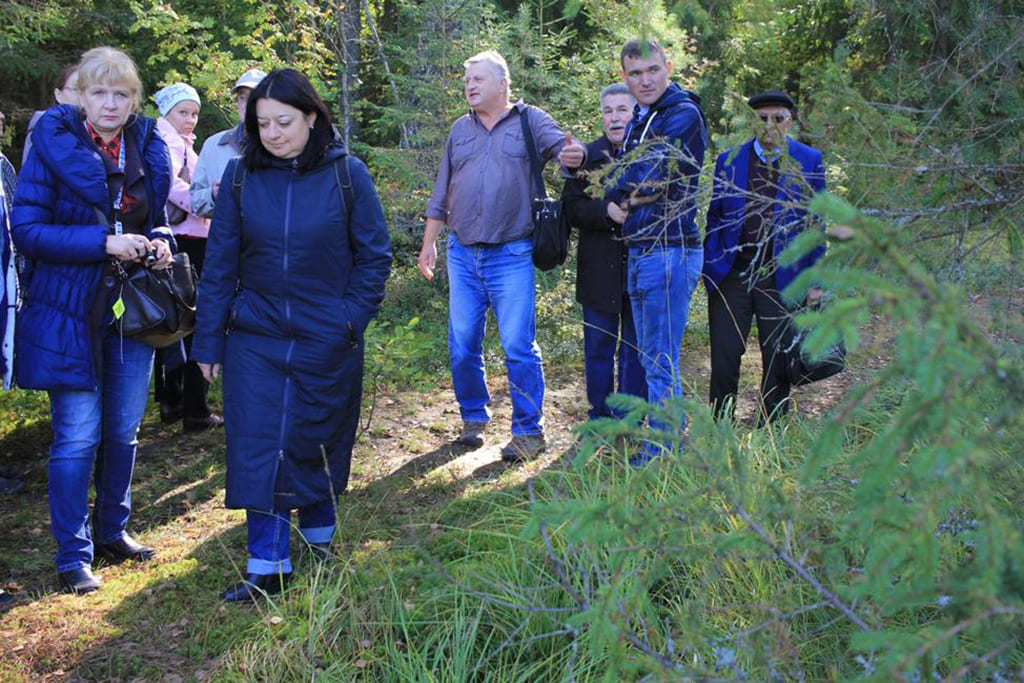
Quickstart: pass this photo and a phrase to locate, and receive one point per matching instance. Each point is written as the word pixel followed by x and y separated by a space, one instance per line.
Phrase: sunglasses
pixel 777 118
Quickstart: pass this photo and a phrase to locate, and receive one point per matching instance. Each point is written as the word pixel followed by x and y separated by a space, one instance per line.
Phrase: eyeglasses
pixel 777 118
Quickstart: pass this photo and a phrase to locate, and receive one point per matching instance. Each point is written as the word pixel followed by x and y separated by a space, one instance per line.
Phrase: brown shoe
pixel 523 447
pixel 472 434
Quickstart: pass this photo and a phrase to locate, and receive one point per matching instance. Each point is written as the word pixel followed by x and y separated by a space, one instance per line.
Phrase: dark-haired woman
pixel 65 91
pixel 295 270
pixel 92 192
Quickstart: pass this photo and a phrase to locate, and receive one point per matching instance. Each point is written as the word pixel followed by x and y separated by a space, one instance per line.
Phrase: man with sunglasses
pixel 758 206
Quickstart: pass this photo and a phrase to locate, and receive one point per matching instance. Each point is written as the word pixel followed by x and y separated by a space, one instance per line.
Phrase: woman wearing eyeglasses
pixel 759 205
pixel 65 91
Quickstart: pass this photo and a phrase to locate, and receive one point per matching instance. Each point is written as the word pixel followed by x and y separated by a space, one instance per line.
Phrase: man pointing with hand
pixel 483 193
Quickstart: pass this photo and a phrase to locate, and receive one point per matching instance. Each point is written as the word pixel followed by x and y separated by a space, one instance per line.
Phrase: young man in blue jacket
pixel 759 204
pixel 662 154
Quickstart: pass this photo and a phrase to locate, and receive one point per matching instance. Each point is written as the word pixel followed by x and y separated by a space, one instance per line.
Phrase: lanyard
pixel 118 227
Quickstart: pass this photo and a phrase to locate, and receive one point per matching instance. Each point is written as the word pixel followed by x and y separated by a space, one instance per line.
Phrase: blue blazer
pixel 728 210
pixel 55 226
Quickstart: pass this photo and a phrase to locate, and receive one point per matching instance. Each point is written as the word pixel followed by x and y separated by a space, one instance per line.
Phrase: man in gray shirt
pixel 221 148
pixel 483 192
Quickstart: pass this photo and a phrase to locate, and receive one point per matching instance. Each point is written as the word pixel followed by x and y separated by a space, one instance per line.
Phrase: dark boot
pixel 78 581
pixel 255 585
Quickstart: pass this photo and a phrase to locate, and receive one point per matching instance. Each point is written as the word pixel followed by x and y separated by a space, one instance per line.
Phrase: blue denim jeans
pixel 602 333
pixel 270 533
pixel 95 433
pixel 500 277
pixel 661 282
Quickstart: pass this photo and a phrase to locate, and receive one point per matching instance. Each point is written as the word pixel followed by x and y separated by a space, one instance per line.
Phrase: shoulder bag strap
pixel 531 148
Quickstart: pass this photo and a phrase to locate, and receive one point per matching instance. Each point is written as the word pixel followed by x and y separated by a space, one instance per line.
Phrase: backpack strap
pixel 237 180
pixel 343 176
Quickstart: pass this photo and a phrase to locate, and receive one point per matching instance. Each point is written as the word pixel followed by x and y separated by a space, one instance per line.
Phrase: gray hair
pixel 495 59
pixel 614 89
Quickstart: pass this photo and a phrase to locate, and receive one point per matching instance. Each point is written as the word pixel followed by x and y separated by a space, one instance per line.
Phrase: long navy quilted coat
pixel 54 224
pixel 291 280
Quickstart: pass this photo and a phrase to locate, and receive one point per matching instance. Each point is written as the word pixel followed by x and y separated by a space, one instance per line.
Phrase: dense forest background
pixel 880 542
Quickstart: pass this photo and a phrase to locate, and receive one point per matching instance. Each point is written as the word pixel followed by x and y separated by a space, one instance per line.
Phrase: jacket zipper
pixel 286 399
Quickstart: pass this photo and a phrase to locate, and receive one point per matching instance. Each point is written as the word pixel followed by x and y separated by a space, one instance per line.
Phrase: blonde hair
pixel 111 66
pixel 493 58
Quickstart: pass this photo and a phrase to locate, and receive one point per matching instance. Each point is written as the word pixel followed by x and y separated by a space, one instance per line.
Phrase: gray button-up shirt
pixel 484 187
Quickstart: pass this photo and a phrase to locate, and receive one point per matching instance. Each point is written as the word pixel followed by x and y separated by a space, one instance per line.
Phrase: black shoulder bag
pixel 550 224
pixel 155 307
pixel 799 367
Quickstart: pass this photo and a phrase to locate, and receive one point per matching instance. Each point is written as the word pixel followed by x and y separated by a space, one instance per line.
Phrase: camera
pixel 150 259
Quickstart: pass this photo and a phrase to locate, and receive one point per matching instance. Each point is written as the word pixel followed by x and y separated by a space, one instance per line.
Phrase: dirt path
pixel 164 620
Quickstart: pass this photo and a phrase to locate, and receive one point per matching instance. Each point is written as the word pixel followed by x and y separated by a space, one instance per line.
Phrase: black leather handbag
pixel 158 306
pixel 176 214
pixel 550 224
pixel 800 368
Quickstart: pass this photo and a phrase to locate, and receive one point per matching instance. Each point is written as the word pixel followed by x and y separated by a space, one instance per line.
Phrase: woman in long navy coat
pixel 297 258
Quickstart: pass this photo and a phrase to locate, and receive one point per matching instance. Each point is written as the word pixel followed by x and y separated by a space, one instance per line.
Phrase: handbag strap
pixel 535 165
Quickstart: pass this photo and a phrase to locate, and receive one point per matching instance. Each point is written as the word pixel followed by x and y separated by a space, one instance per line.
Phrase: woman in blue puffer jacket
pixel 92 191
pixel 296 262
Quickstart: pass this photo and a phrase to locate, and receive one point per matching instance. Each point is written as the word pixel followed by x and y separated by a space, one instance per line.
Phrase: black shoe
pixel 255 585
pixel 78 581
pixel 201 424
pixel 171 413
pixel 10 485
pixel 124 548
pixel 320 551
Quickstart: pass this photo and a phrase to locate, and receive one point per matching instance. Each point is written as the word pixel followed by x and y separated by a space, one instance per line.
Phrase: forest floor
pixel 164 620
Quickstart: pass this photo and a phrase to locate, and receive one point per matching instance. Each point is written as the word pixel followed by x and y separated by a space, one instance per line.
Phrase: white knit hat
pixel 169 96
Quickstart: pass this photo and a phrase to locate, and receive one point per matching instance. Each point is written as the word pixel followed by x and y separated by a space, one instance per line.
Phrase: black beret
pixel 770 98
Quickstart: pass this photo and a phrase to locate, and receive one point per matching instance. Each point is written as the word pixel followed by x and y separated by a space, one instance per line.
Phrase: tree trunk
pixel 350 24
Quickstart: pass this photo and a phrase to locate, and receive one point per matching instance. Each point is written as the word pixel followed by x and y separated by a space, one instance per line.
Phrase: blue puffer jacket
pixel 675 120
pixel 55 226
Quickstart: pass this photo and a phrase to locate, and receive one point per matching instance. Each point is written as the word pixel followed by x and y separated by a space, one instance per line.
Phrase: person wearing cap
pixel 221 148
pixel 179 387
pixel 759 205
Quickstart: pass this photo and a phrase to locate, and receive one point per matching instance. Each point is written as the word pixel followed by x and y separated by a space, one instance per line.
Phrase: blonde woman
pixel 91 193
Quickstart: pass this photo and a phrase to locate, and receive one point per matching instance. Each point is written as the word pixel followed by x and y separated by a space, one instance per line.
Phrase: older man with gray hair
pixel 483 193
pixel 608 329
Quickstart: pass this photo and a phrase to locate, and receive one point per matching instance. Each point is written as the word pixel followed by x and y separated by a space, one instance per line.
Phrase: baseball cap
pixel 250 79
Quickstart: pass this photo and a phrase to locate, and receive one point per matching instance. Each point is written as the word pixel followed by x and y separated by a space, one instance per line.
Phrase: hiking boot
pixel 472 434
pixel 523 447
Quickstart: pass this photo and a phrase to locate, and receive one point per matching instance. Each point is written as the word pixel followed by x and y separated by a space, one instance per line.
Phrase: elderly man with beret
pixel 759 205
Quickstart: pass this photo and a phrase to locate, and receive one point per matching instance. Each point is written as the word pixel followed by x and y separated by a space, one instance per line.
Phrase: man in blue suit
pixel 759 205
